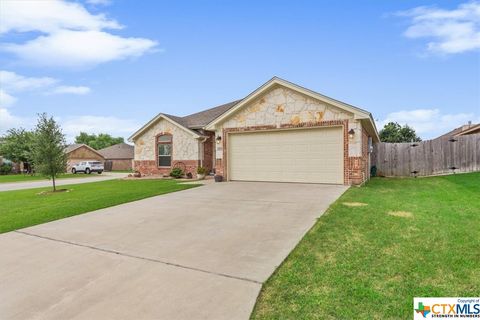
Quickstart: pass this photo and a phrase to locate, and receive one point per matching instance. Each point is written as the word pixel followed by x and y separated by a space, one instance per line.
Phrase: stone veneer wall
pixel 285 108
pixel 185 149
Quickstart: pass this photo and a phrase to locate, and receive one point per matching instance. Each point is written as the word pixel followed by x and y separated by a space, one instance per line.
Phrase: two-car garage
pixel 307 155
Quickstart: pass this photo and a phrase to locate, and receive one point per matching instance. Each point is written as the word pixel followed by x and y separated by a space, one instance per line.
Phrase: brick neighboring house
pixel 464 130
pixel 118 156
pixel 280 132
pixel 81 152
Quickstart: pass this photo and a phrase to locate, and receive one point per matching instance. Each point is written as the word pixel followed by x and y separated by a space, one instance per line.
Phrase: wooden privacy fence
pixel 431 157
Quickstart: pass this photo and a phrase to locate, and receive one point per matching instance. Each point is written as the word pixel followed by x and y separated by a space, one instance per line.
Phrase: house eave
pixel 357 112
pixel 155 120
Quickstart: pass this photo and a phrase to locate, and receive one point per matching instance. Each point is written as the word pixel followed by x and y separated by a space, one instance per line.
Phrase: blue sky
pixel 110 66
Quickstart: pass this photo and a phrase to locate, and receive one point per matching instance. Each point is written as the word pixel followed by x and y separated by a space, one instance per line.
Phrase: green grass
pixel 362 263
pixel 27 177
pixel 24 208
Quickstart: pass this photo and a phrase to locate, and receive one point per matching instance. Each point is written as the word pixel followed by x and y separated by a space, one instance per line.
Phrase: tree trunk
pixel 53 180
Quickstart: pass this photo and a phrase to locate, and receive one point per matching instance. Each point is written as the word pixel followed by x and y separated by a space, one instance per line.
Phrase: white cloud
pixel 451 31
pixel 80 90
pixel 10 81
pixel 6 100
pixel 73 125
pixel 115 126
pixel 50 16
pixel 99 2
pixel 429 123
pixel 8 121
pixel 13 83
pixel 72 36
pixel 79 48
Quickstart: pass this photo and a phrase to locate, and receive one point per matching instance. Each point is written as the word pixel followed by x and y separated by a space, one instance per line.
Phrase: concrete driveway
pixel 60 182
pixel 201 253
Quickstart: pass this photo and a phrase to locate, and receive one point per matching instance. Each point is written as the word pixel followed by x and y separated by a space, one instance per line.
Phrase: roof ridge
pixel 220 105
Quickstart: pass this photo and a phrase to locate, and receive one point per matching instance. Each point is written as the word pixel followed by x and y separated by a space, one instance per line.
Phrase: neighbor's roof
pixel 462 130
pixel 474 128
pixel 75 146
pixel 118 151
pixel 72 147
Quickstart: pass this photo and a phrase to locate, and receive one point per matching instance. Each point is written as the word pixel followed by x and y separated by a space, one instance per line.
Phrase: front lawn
pixel 413 238
pixel 24 208
pixel 27 177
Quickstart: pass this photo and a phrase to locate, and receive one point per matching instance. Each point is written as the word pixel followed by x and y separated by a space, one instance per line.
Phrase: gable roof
pixel 75 146
pixel 207 119
pixel 462 130
pixel 118 151
pixel 191 122
pixel 359 114
pixel 475 128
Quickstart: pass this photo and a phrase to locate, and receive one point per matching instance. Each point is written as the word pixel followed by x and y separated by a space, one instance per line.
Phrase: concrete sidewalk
pixel 201 253
pixel 60 182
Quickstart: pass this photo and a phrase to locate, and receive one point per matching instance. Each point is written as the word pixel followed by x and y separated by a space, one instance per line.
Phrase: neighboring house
pixel 118 157
pixel 280 132
pixel 466 129
pixel 81 152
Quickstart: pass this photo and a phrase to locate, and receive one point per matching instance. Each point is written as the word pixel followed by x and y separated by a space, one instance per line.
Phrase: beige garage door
pixel 297 155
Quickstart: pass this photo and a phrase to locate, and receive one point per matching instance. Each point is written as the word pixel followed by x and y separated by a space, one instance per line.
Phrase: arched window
pixel 164 150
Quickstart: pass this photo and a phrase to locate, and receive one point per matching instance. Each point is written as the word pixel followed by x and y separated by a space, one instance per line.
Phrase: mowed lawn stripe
pixel 26 177
pixel 414 238
pixel 24 208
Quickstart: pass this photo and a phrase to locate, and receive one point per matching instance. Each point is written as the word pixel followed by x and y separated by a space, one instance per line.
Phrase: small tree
pixel 49 148
pixel 394 132
pixel 17 146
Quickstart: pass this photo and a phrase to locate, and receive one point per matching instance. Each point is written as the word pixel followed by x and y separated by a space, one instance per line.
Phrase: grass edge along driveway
pixel 413 238
pixel 25 208
pixel 11 178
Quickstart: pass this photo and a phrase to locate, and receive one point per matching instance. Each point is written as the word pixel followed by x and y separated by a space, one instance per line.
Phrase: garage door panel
pixel 303 155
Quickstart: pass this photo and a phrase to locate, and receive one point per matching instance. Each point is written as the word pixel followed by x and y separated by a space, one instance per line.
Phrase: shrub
pixel 5 168
pixel 201 170
pixel 176 173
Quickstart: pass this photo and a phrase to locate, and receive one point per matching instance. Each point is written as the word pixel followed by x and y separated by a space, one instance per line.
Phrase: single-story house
pixel 280 132
pixel 81 152
pixel 466 129
pixel 118 156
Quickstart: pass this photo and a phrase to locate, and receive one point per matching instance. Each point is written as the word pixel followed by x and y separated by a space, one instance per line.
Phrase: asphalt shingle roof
pixel 118 151
pixel 202 118
pixel 72 147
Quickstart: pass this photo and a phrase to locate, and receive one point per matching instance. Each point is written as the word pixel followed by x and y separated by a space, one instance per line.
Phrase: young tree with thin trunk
pixel 49 148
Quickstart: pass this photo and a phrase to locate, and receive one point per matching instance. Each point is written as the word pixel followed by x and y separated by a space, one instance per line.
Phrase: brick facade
pixel 149 167
pixel 208 151
pixel 121 164
pixel 82 154
pixel 355 168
